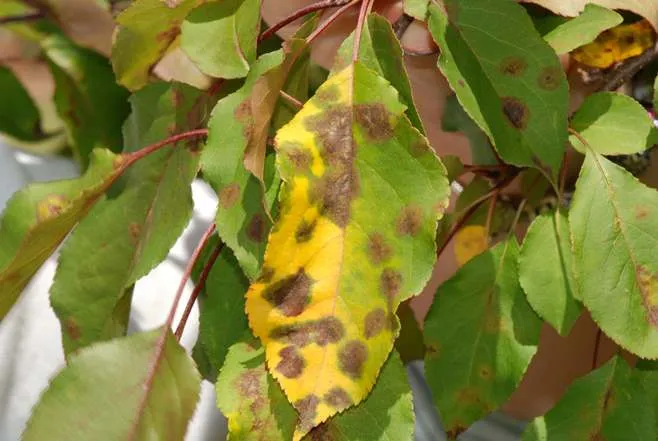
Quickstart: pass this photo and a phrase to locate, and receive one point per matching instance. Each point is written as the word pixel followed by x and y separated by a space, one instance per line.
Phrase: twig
pixel 201 283
pixel 628 70
pixel 131 158
pixel 333 17
pixel 597 345
pixel 32 16
pixel 366 5
pixel 294 102
pixel 299 13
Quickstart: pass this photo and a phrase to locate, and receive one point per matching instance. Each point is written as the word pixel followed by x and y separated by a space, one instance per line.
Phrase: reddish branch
pixel 366 6
pixel 301 12
pixel 201 283
pixel 131 158
pixel 325 24
pixel 597 345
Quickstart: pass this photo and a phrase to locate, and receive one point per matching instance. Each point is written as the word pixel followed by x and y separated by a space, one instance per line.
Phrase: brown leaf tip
pixel 374 323
pixel 351 358
pixel 292 363
pixel 513 66
pixel 229 195
pixel 516 113
pixel 378 250
pixel 291 294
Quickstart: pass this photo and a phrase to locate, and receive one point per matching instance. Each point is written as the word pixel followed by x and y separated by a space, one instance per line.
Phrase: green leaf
pixel 416 8
pixel 222 320
pixel 250 398
pixel 39 217
pixel 19 116
pixel 126 236
pixel 565 35
pixel 614 220
pixel 92 106
pixel 613 124
pixel 546 271
pixel 146 31
pixel 142 387
pixel 380 51
pixel 480 335
pixel 409 344
pixel 455 119
pixel 506 77
pixel 609 403
pixel 220 37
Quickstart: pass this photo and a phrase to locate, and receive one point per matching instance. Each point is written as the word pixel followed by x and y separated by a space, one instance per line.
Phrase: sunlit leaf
pixel 258 410
pixel 124 237
pixel 480 335
pixel 565 35
pixel 19 116
pixel 350 244
pixel 88 100
pixel 40 216
pixel 546 270
pixel 614 219
pixel 608 404
pixel 613 124
pixel 146 30
pixel 380 51
pixel 506 77
pixel 220 37
pixel 416 8
pixel 469 242
pixel 141 387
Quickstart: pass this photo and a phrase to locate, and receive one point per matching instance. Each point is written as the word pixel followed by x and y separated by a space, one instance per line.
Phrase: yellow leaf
pixel 469 242
pixel 360 202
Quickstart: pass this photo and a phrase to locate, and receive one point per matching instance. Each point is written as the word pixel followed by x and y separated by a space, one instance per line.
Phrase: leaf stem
pixel 199 286
pixel 294 102
pixel 299 13
pixel 366 6
pixel 32 16
pixel 333 17
pixel 597 345
pixel 563 177
pixel 131 158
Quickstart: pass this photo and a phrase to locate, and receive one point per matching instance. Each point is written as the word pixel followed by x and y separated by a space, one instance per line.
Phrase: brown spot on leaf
pixel 307 410
pixel 648 286
pixel 321 332
pixel 298 335
pixel 290 294
pixel 292 362
pixel 516 113
pixel 550 78
pixel 461 83
pixel 378 250
pixel 513 66
pixel 485 372
pixel 338 398
pixel 300 158
pixel 352 357
pixel 135 230
pixel 328 94
pixel 248 384
pixel 410 221
pixel 51 206
pixel 390 283
pixel 455 432
pixel 324 432
pixel 72 328
pixel 304 231
pixel 418 148
pixel 374 119
pixel 328 330
pixel 256 228
pixel 229 195
pixel 641 212
pixel 375 322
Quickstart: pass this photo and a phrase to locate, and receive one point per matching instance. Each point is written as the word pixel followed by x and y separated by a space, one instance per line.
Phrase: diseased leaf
pixel 257 409
pixel 19 116
pixel 37 218
pixel 126 236
pixel 220 37
pixel 613 124
pixel 416 8
pixel 92 106
pixel 146 30
pixel 350 244
pixel 613 222
pixel 506 77
pixel 546 271
pixel 135 388
pixel 470 241
pixel 571 8
pixel 380 51
pixel 480 335
pixel 609 403
pixel 222 320
pixel 565 35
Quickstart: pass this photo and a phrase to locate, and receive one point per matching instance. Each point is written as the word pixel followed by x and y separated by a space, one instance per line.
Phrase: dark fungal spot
pixel 352 357
pixel 374 120
pixel 648 285
pixel 307 410
pixel 304 231
pixel 338 398
pixel 328 330
pixel 390 283
pixel 72 329
pixel 641 212
pixel 256 228
pixel 328 94
pixel 266 274
pixel 513 66
pixel 292 362
pixel 485 372
pixel 516 113
pixel 290 294
pixel 248 384
pixel 549 78
pixel 321 332
pixel 229 195
pixel 455 432
pixel 300 158
pixel 298 335
pixel 324 432
pixel 410 221
pixel 378 250
pixel 375 322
